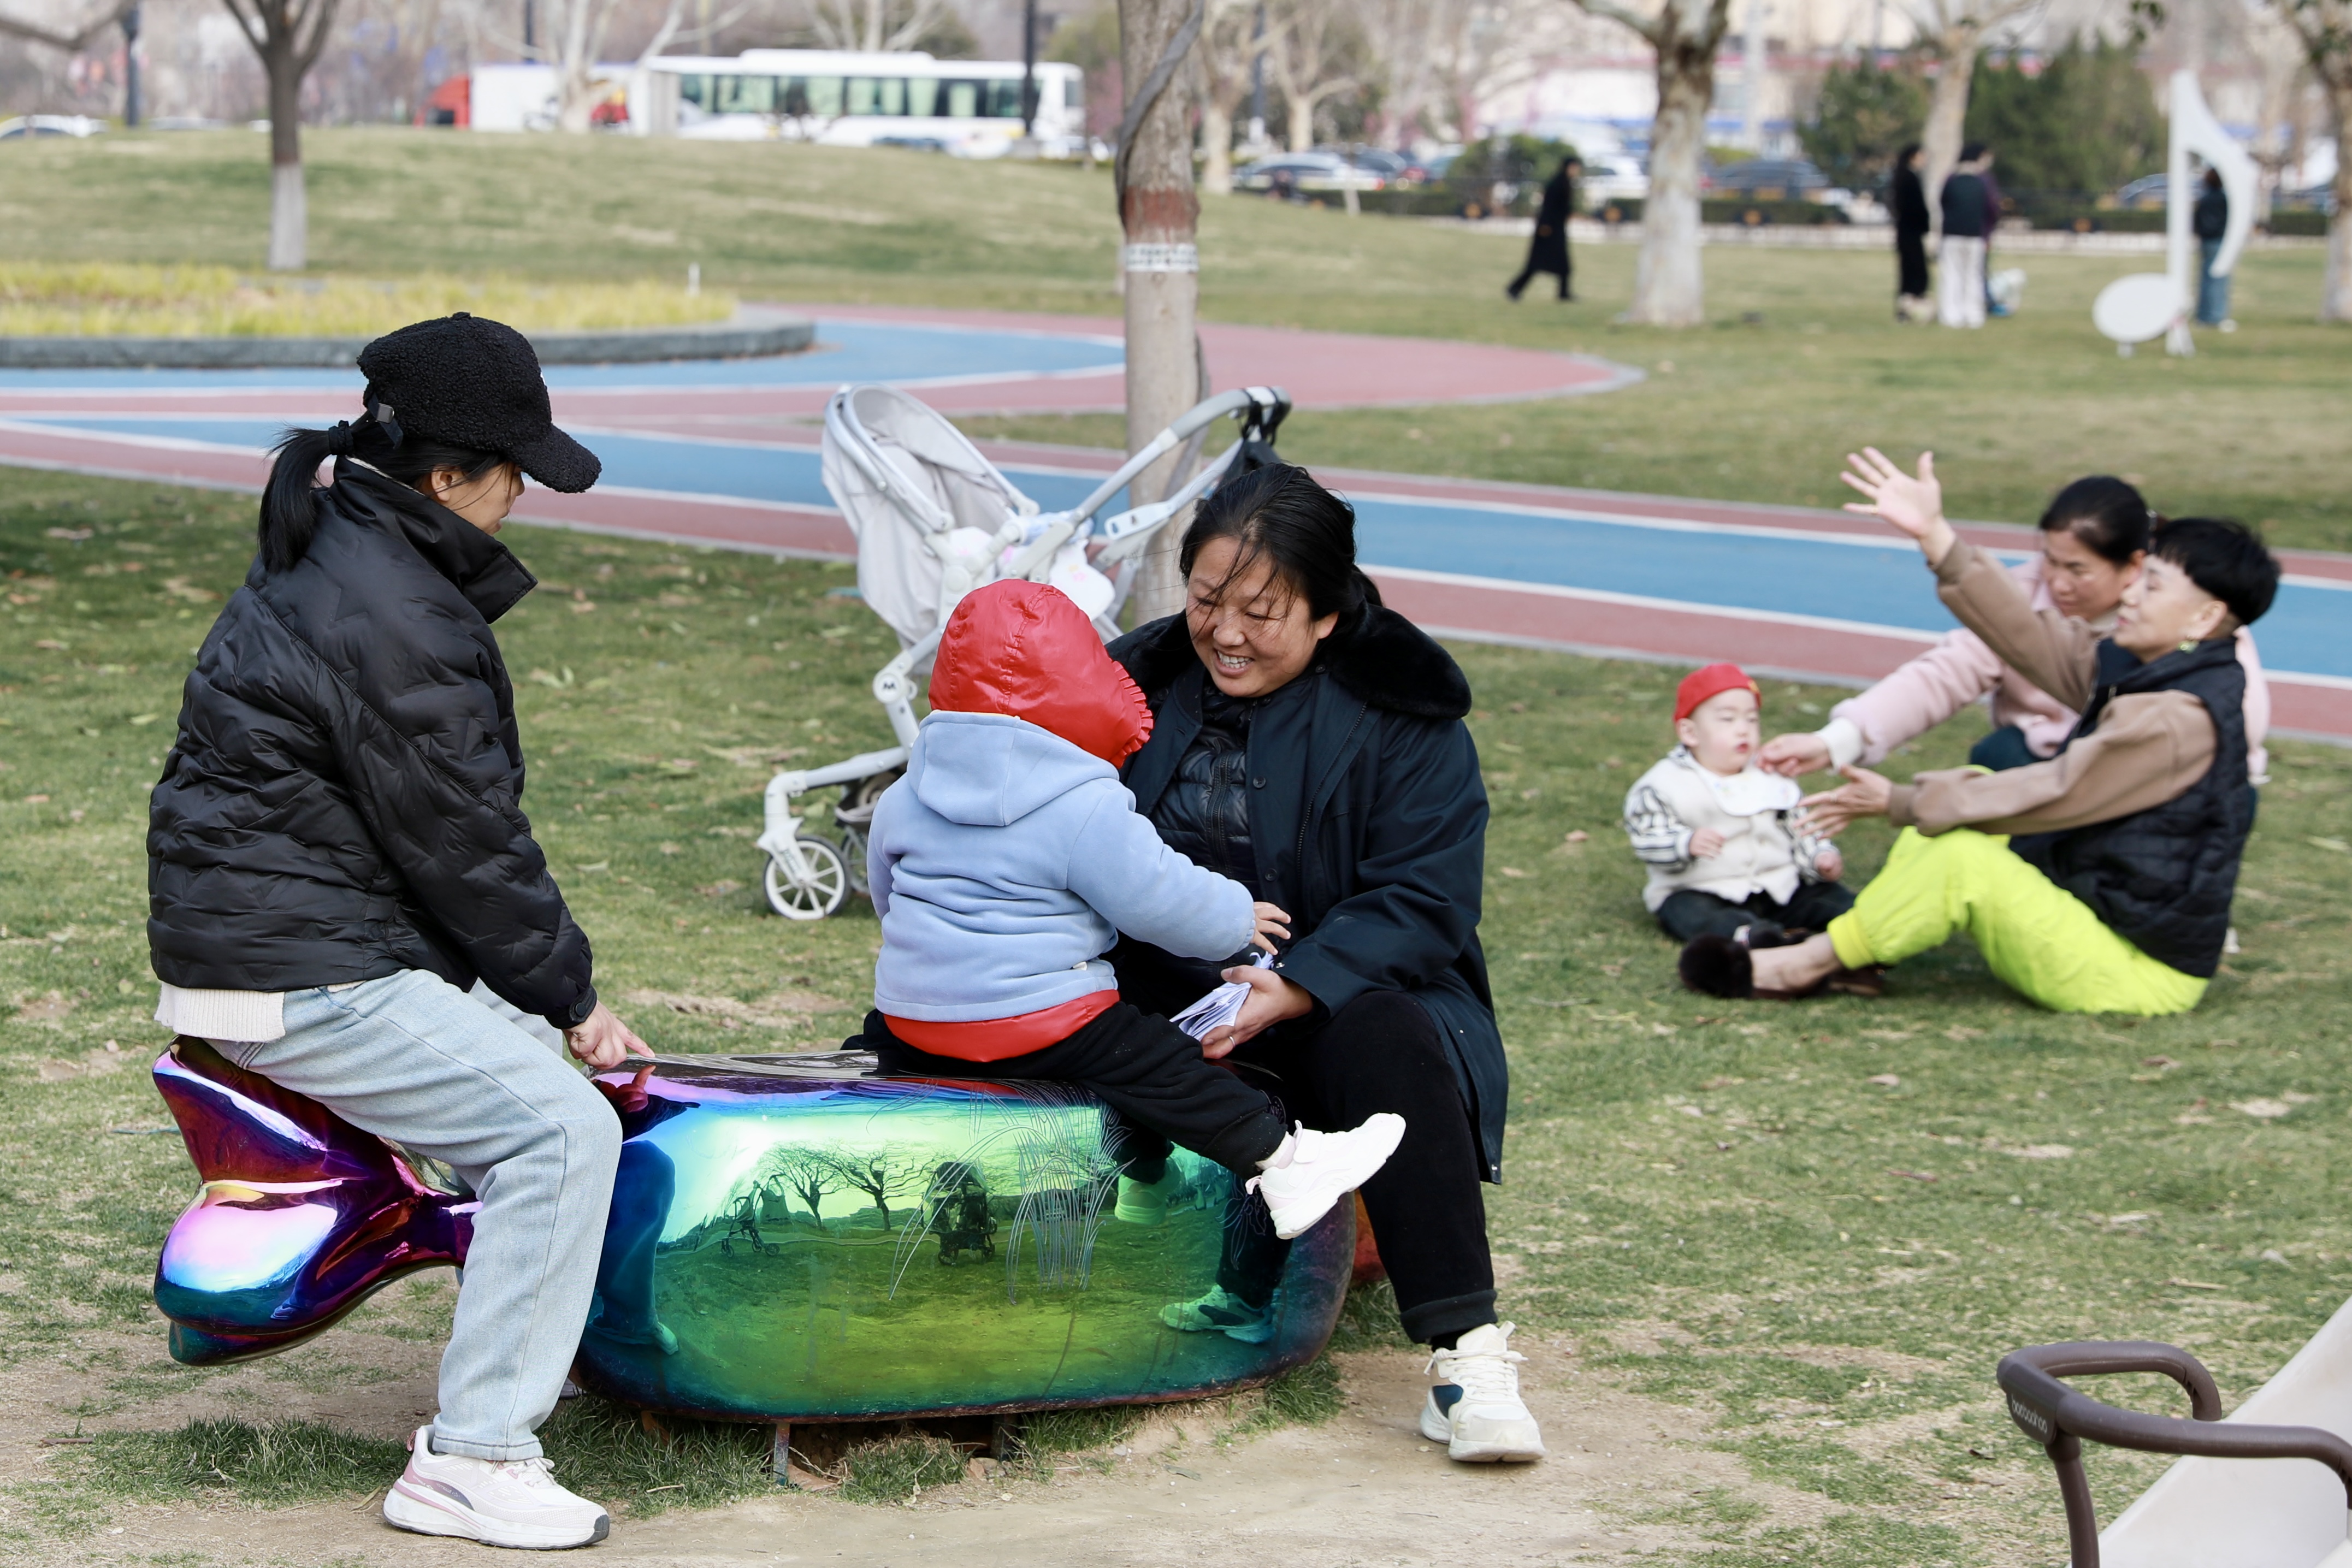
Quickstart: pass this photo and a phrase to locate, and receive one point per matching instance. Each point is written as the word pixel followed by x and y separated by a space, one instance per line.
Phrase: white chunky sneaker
pixel 1474 1409
pixel 508 1502
pixel 1312 1171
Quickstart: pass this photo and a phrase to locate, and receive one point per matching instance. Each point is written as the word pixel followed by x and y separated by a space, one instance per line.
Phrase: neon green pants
pixel 2038 938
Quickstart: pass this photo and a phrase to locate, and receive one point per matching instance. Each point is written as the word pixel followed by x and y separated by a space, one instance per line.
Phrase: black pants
pixel 2002 750
pixel 1518 286
pixel 1145 1069
pixel 1814 904
pixel 1911 263
pixel 1380 1052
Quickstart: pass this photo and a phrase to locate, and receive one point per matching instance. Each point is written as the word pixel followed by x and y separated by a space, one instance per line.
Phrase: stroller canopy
pixel 901 473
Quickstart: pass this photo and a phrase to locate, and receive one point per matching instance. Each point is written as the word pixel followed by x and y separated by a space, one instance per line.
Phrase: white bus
pixel 972 107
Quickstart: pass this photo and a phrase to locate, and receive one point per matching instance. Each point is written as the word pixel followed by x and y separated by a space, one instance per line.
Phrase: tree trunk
pixel 1216 145
pixel 289 223
pixel 1160 215
pixel 1669 289
pixel 1947 114
pixel 2336 297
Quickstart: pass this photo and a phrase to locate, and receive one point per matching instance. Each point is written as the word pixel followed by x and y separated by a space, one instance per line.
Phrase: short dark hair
pixel 2107 515
pixel 1972 152
pixel 2223 556
pixel 1306 532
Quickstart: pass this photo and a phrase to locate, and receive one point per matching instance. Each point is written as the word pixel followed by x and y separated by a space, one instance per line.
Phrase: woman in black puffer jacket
pixel 337 851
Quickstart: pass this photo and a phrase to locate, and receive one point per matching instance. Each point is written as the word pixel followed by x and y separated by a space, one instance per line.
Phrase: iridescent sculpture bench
pixel 791 1238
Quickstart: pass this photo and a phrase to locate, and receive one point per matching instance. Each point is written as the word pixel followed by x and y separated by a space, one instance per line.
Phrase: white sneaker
pixel 1475 1407
pixel 508 1502
pixel 1312 1171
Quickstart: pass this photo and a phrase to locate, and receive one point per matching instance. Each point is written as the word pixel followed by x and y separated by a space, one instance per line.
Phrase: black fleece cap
pixel 474 384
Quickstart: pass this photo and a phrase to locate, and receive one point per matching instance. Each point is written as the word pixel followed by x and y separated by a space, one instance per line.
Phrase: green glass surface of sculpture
pixel 796 1239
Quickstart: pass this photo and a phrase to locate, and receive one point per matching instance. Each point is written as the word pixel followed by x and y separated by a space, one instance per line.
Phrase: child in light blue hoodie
pixel 1008 861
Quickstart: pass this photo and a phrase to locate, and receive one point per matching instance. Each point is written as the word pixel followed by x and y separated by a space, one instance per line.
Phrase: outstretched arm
pixel 2055 653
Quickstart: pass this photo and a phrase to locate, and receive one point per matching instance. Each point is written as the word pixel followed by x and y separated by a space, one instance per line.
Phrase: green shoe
pixel 1221 1312
pixel 1146 1203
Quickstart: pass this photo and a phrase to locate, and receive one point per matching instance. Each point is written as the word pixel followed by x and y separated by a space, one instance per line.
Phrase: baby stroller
pixel 934 520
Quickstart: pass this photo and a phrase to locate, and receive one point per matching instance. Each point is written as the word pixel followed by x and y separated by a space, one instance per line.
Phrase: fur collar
pixel 1382 658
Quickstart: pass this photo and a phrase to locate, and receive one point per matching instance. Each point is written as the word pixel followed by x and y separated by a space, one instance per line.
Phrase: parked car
pixel 2310 198
pixel 2146 193
pixel 1390 166
pixel 1612 177
pixel 49 125
pixel 1306 171
pixel 1766 180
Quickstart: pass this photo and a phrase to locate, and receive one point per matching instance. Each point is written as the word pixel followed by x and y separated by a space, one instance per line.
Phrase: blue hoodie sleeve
pixel 1123 871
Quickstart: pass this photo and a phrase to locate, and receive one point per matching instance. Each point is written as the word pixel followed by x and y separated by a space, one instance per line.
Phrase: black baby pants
pixel 1814 906
pixel 1144 1068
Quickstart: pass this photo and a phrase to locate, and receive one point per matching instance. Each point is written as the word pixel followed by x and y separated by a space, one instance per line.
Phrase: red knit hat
pixel 1711 682
pixel 1026 649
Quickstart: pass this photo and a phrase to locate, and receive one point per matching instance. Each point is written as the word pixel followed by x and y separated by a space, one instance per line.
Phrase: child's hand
pixel 1271 922
pixel 1705 844
pixel 1829 864
pixel 1914 506
pixel 1789 755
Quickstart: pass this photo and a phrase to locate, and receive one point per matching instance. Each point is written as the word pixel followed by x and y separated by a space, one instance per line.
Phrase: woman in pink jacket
pixel 2092 536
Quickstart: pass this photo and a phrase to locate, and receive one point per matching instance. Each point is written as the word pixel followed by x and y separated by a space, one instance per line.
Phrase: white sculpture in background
pixel 2151 305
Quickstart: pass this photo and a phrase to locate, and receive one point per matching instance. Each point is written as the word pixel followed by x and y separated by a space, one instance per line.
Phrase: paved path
pixel 715 452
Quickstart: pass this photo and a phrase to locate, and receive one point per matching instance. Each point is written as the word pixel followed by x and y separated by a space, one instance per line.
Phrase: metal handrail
pixel 2059 1418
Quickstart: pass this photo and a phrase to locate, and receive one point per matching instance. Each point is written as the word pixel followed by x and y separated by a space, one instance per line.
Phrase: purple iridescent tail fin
pixel 302 1216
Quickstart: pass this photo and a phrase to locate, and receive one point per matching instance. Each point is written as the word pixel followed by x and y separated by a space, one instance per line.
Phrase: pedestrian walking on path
pixel 1967 219
pixel 1548 251
pixel 1906 198
pixel 2212 220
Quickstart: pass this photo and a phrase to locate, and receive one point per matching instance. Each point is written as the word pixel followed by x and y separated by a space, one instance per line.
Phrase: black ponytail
pixel 289 501
pixel 1306 532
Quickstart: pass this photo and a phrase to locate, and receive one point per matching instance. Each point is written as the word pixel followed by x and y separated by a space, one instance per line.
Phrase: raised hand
pixel 1914 506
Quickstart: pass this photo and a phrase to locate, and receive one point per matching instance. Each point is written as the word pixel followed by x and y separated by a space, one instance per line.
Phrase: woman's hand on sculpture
pixel 1914 506
pixel 1705 844
pixel 1272 999
pixel 1865 794
pixel 603 1042
pixel 1791 755
pixel 1272 923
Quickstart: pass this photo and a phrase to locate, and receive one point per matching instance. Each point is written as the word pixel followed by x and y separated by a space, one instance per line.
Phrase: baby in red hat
pixel 1727 849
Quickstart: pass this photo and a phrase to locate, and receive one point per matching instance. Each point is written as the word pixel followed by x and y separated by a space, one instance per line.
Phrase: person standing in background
pixel 1967 218
pixel 1547 252
pixel 1993 306
pixel 2212 220
pixel 1906 198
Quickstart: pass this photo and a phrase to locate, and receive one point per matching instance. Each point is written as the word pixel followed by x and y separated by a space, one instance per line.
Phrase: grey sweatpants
pixel 411 1058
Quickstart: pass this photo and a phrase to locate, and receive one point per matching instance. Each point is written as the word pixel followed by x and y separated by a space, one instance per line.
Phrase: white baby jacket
pixel 1766 849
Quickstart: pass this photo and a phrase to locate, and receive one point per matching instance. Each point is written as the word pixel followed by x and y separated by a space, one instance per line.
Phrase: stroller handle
pixel 1265 406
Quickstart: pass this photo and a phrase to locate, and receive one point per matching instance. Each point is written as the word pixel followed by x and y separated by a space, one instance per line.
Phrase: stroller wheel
pixel 816 893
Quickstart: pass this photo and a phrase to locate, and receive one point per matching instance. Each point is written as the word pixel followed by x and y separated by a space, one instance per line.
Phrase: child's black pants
pixel 1691 913
pixel 1144 1068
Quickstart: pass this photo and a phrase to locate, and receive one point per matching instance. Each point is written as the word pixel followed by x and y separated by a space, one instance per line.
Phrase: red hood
pixel 1025 650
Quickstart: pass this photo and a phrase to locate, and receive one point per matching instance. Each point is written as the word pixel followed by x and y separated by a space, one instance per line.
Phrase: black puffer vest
pixel 2162 879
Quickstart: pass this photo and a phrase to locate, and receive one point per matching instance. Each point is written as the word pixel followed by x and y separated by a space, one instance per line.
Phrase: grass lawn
pixel 1816 1227
pixel 1802 363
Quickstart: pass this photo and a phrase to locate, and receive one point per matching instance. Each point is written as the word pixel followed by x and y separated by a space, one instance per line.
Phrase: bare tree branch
pixel 1652 29
pixel 70 43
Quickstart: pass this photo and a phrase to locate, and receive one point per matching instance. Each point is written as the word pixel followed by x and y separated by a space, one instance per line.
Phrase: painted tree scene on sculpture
pixel 791 1238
